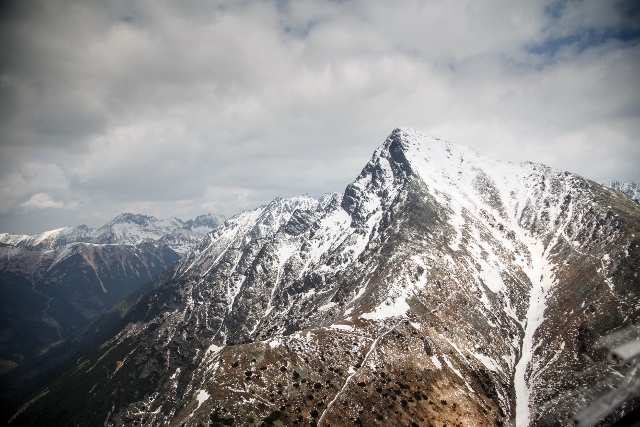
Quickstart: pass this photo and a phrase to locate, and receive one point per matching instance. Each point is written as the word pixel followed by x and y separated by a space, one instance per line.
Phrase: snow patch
pixel 450 365
pixel 436 361
pixel 275 343
pixel 214 349
pixel 540 274
pixel 175 374
pixel 396 308
pixel 202 396
pixel 284 253
pixel 327 306
pixel 358 295
pixel 488 362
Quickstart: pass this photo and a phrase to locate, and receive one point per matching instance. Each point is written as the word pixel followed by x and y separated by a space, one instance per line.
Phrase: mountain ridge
pixel 53 284
pixel 125 228
pixel 441 287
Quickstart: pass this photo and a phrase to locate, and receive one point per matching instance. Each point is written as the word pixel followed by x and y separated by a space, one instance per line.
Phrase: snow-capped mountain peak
pixel 442 287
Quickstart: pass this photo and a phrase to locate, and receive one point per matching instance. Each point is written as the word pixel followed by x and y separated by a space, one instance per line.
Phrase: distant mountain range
pixel 53 284
pixel 631 189
pixel 441 288
pixel 125 229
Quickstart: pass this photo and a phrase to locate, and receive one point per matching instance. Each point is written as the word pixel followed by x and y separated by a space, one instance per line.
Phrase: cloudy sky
pixel 177 108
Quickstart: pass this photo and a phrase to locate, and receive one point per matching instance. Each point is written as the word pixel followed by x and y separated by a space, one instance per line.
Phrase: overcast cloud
pixel 180 108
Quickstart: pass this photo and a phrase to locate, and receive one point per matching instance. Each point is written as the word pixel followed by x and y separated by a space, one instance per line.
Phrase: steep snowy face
pixel 442 287
pixel 243 271
pixel 239 231
pixel 531 239
pixel 378 184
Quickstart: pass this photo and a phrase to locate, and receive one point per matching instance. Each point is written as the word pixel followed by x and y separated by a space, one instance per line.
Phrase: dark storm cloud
pixel 181 108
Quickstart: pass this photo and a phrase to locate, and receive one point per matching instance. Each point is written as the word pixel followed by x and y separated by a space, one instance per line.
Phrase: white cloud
pixel 177 107
pixel 41 201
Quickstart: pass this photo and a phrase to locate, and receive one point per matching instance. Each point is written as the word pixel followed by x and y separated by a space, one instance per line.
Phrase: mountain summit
pixel 441 287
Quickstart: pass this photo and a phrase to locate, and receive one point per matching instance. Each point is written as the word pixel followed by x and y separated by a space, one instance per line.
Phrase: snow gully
pixel 540 275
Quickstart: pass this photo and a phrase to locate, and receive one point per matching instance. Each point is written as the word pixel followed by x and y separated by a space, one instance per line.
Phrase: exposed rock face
pixel 442 287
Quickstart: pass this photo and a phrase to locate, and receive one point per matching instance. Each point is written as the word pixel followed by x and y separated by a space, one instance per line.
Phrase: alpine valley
pixel 53 284
pixel 442 288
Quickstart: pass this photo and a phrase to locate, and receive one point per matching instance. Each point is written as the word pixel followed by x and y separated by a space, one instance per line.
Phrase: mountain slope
pixel 52 285
pixel 442 287
pixel 71 274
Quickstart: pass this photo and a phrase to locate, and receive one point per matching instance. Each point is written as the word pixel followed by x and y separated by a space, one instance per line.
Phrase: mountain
pixel 631 189
pixel 125 229
pixel 48 294
pixel 178 235
pixel 65 277
pixel 442 287
pixel 53 284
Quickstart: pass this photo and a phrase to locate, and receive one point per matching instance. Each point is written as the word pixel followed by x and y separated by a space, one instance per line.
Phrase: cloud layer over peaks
pixel 180 108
